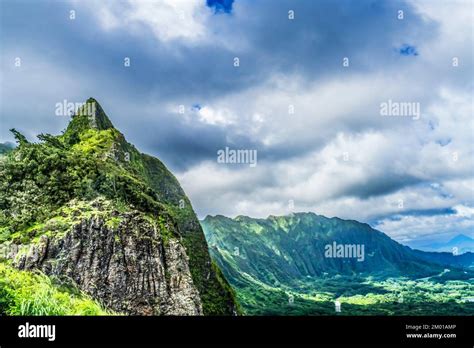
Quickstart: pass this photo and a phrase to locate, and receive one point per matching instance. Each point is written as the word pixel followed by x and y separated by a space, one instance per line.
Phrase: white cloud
pixel 463 211
pixel 428 164
pixel 415 227
pixel 387 161
pixel 215 117
pixel 167 19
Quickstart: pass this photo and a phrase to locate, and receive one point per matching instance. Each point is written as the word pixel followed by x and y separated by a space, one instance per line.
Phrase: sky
pixel 357 109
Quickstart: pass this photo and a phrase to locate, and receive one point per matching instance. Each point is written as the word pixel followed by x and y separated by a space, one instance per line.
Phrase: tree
pixel 20 138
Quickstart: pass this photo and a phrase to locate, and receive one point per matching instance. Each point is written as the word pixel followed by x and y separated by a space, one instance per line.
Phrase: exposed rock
pixel 131 269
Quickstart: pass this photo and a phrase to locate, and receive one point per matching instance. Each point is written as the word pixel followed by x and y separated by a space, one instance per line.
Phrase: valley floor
pixel 438 295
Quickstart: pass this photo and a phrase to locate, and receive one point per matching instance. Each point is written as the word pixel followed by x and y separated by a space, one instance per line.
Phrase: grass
pixel 28 293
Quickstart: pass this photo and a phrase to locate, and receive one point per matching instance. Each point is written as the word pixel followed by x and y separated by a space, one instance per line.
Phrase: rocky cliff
pixel 130 268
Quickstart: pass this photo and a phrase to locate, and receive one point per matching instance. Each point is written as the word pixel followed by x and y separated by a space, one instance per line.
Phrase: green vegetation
pixel 358 296
pixel 28 293
pixel 38 179
pixel 64 218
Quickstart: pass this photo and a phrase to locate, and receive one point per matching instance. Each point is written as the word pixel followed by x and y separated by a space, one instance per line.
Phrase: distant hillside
pixel 6 147
pixel 458 244
pixel 286 255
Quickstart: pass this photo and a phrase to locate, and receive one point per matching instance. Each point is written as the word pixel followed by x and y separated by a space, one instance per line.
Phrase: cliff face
pixel 89 209
pixel 130 268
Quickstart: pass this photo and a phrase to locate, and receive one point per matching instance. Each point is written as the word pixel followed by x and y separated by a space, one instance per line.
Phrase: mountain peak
pixel 461 238
pixel 88 116
pixel 96 114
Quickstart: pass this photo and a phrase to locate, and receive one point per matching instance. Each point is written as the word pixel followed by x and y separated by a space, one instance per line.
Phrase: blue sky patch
pixel 444 142
pixel 408 50
pixel 220 6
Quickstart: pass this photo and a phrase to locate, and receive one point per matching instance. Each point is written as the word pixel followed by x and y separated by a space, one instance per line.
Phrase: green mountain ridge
pixel 6 147
pixel 269 261
pixel 117 219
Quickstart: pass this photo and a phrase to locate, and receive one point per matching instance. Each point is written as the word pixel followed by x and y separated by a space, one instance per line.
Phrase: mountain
pixel 460 244
pixel 460 238
pixel 6 147
pixel 294 246
pixel 314 261
pixel 92 213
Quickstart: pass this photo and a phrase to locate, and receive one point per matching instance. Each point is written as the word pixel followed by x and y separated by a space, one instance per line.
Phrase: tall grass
pixel 28 293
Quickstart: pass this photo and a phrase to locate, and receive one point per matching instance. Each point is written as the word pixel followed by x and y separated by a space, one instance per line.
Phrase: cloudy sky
pixel 306 94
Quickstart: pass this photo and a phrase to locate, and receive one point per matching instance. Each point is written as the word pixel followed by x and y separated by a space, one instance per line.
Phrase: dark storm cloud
pixel 380 184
